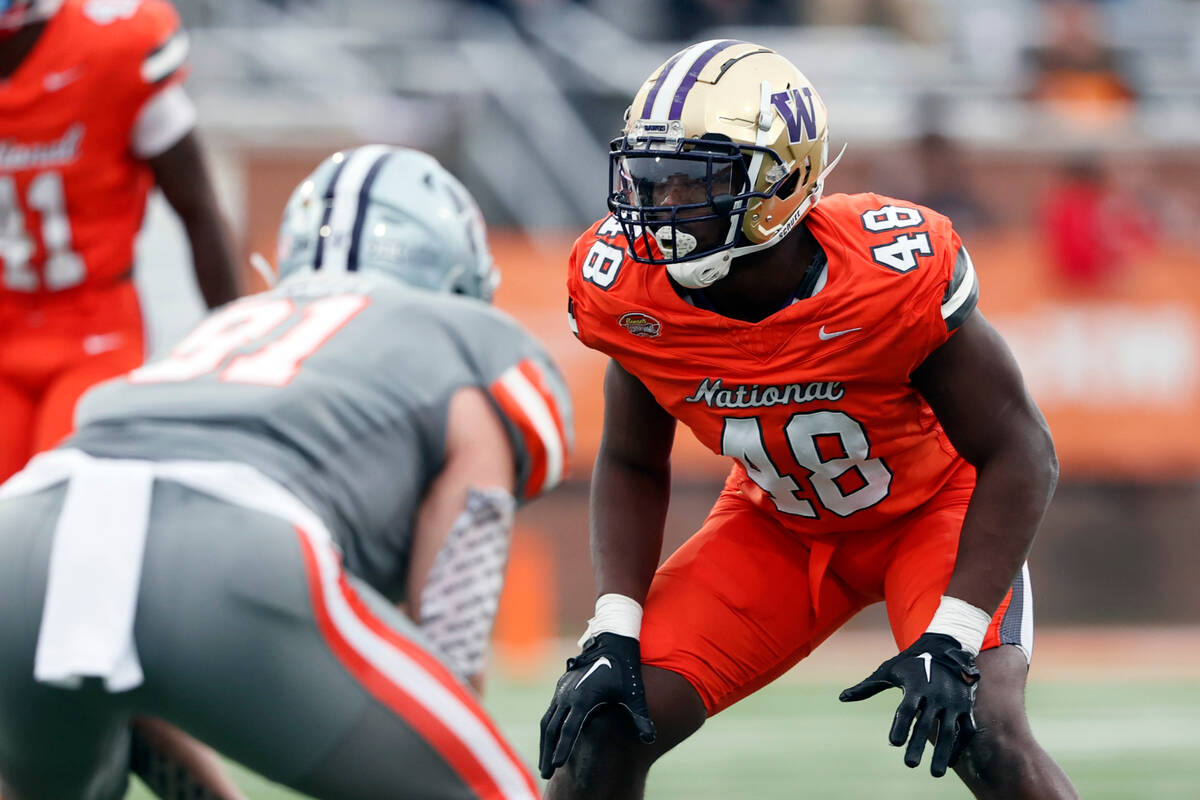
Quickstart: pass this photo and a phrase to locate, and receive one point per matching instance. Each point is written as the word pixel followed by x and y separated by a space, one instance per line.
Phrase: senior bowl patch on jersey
pixel 640 324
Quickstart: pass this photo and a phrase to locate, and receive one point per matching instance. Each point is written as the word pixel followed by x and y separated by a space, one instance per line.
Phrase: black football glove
pixel 609 670
pixel 938 678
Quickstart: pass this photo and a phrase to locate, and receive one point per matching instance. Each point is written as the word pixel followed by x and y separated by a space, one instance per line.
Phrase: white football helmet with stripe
pixel 724 150
pixel 388 209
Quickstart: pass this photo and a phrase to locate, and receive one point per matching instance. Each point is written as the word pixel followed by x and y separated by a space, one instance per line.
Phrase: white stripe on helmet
pixel 670 84
pixel 345 206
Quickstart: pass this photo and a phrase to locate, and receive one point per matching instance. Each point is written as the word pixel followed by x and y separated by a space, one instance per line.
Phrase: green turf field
pixel 1117 741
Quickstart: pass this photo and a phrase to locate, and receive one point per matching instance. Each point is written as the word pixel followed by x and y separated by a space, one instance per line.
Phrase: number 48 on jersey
pixel 830 445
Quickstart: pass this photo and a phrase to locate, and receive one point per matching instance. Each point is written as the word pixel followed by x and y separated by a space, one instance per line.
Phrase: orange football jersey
pixel 814 403
pixel 72 188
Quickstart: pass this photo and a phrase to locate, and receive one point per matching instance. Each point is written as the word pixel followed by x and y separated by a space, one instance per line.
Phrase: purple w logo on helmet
pixel 797 108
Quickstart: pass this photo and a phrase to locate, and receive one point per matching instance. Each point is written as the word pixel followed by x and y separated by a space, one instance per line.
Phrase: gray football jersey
pixel 338 387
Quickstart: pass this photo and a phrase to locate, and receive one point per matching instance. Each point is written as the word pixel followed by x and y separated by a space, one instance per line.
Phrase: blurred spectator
pixel 516 6
pixel 691 17
pixel 1078 75
pixel 1091 230
pixel 916 20
pixel 945 184
pixel 1166 187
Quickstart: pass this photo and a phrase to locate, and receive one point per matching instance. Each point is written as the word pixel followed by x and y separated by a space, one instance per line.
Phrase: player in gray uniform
pixel 225 541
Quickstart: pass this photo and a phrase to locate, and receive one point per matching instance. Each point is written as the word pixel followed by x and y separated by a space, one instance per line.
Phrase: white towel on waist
pixel 95 567
pixel 99 542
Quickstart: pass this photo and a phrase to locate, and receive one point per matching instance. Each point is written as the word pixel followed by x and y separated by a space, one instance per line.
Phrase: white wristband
pixel 963 621
pixel 615 613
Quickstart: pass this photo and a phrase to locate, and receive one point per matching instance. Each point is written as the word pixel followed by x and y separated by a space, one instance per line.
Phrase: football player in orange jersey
pixel 92 115
pixel 884 446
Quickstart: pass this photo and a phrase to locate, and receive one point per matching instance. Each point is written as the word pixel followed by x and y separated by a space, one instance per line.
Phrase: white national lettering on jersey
pixel 15 155
pixel 714 394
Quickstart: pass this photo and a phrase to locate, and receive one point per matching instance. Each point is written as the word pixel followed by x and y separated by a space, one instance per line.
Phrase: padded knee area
pixel 606 758
pixel 1004 747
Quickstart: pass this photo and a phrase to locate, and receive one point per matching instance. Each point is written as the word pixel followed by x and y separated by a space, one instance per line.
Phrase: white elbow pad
pixel 460 598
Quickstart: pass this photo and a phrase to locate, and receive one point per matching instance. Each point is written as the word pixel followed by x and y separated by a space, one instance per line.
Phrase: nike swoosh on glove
pixel 939 679
pixel 609 670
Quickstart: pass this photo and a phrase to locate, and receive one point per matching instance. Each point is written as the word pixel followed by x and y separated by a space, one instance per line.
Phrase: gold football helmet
pixel 724 150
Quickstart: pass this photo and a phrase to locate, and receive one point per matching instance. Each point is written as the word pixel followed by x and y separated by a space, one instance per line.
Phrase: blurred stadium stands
pixel 520 97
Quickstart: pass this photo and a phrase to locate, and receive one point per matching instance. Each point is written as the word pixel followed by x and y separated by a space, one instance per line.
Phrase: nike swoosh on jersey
pixel 57 80
pixel 97 343
pixel 826 336
pixel 602 661
pixel 928 659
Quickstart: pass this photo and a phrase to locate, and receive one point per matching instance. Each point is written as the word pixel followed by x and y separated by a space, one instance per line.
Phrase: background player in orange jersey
pixel 92 115
pixel 884 444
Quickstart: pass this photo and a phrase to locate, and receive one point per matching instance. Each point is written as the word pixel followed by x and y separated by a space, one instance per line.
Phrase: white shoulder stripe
pixel 345 206
pixel 963 292
pixel 535 409
pixel 166 59
pixel 165 118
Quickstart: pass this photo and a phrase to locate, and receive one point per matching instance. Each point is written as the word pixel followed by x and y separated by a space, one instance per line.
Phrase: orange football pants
pixel 52 349
pixel 746 598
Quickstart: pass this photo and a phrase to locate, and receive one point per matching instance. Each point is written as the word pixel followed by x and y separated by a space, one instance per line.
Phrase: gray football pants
pixel 238 649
